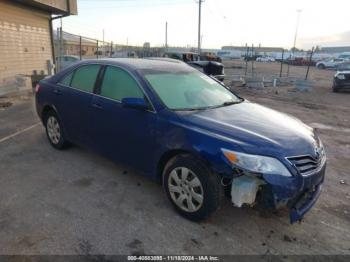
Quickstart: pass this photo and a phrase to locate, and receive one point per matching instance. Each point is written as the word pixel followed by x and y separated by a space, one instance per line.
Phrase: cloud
pixel 340 39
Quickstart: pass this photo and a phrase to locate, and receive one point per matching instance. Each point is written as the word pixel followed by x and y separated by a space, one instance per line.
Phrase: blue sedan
pixel 186 130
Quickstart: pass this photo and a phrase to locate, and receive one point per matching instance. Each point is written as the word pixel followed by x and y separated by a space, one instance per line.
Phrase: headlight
pixel 256 163
pixel 341 76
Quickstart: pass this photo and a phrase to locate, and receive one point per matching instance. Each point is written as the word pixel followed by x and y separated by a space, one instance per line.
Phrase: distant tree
pixel 317 49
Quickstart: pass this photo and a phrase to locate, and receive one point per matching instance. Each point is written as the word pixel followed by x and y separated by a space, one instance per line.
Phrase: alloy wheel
pixel 185 189
pixel 53 130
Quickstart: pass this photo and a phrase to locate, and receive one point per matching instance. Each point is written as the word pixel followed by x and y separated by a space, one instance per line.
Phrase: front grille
pixel 307 164
pixel 347 76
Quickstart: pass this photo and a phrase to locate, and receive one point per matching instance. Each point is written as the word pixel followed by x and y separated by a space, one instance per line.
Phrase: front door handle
pixel 98 106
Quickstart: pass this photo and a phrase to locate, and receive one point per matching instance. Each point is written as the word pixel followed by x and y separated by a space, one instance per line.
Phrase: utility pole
pixel 103 42
pixel 166 36
pixel 309 62
pixel 103 35
pixel 282 62
pixel 199 26
pixel 296 30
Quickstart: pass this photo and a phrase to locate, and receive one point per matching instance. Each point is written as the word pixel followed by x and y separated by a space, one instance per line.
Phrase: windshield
pixel 190 90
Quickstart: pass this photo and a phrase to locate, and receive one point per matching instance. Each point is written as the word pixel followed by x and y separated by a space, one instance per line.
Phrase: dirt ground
pixel 75 202
pixel 268 69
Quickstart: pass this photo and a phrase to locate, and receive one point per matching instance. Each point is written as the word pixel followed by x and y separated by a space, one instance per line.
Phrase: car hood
pixel 254 129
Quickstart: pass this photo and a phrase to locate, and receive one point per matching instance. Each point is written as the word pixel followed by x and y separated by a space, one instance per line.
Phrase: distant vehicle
pixel 210 56
pixel 341 79
pixel 265 59
pixel 280 57
pixel 124 54
pixel 318 57
pixel 66 61
pixel 183 56
pixel 331 63
pixel 345 55
pixel 251 57
pixel 211 68
pixel 229 54
pixel 298 61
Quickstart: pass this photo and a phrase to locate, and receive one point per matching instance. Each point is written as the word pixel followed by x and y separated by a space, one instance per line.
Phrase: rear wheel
pixel 54 131
pixel 321 66
pixel 192 188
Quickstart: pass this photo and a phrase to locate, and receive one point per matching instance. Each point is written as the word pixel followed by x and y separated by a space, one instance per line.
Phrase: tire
pixel 196 195
pixel 334 88
pixel 321 66
pixel 54 131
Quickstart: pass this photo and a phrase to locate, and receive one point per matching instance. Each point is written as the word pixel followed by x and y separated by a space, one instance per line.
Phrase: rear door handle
pixel 57 92
pixel 98 106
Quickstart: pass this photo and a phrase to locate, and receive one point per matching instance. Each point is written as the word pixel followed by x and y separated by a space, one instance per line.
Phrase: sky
pixel 224 22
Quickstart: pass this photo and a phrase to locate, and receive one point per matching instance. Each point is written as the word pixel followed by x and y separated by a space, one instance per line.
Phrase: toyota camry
pixel 186 130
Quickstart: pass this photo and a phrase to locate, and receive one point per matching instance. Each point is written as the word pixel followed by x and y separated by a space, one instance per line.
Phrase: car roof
pixel 143 64
pixel 136 64
pixel 166 59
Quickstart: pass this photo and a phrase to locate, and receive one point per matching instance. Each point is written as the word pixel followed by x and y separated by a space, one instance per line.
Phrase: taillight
pixel 37 88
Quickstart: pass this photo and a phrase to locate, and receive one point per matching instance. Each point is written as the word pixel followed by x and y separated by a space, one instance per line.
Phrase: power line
pixel 134 4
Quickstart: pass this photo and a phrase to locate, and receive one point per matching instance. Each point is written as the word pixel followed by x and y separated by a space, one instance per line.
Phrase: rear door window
pixel 84 78
pixel 118 84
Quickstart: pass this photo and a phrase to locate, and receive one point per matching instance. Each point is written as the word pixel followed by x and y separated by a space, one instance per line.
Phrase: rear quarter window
pixel 84 78
pixel 67 79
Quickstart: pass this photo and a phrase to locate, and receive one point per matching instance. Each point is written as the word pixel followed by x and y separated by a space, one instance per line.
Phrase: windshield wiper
pixel 228 103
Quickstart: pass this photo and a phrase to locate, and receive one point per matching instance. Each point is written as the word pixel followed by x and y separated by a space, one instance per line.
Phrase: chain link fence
pixel 71 48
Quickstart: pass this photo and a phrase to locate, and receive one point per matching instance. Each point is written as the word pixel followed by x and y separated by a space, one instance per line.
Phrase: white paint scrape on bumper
pixel 244 189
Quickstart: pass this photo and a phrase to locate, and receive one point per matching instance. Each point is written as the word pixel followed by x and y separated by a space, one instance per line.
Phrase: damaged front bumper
pixel 298 193
pixel 304 204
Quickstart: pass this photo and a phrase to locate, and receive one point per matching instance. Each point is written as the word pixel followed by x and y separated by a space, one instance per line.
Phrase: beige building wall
pixel 25 43
pixel 59 4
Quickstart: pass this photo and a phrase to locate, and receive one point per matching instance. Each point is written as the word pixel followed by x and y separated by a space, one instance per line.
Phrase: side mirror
pixel 134 102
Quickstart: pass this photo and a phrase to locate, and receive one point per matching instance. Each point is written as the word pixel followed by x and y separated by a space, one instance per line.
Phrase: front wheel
pixel 334 87
pixel 192 188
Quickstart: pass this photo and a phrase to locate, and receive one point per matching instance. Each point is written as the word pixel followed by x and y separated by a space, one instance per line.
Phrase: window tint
pixel 85 77
pixel 118 84
pixel 67 79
